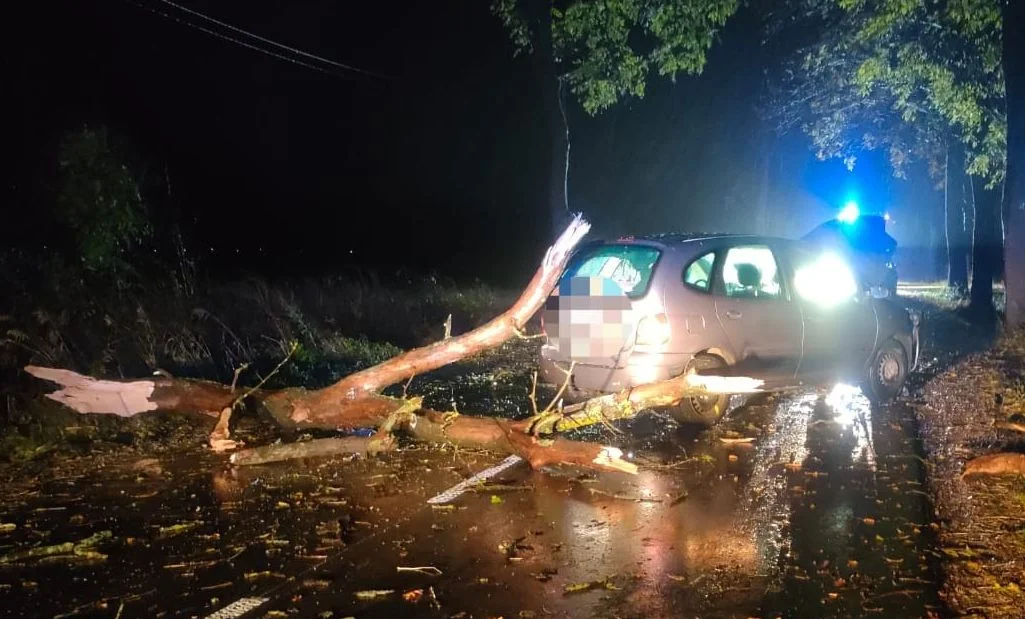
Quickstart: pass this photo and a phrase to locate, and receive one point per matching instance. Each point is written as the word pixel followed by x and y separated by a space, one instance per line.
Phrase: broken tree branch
pixel 300 405
pixel 629 402
pixel 220 436
pixel 355 401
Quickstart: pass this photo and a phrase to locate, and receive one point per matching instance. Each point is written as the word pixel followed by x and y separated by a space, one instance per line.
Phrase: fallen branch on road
pixel 355 401
pixel 315 448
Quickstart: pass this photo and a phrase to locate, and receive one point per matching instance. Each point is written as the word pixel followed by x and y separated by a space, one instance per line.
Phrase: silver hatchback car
pixel 643 309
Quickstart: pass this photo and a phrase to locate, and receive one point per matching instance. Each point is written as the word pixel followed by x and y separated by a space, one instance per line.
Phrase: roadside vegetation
pixel 210 329
pixel 118 294
pixel 976 409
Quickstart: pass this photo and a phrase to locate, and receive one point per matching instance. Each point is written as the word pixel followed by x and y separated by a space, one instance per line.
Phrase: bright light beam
pixel 849 213
pixel 828 281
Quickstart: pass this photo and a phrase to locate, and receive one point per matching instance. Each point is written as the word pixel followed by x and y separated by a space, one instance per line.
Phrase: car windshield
pixel 630 266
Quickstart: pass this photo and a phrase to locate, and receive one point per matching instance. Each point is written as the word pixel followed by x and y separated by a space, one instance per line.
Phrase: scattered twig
pixel 238 554
pixel 303 449
pixel 624 497
pixel 223 585
pixel 484 488
pixel 428 570
pixel 523 336
pixel 533 393
pixel 544 421
pixel 562 389
pixel 432 598
pixel 238 372
pixel 291 351
pixel 587 586
pixel 84 549
pixel 373 594
pixel 904 592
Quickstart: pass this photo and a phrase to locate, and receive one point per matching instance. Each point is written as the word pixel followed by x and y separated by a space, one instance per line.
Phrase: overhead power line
pixel 294 50
pixel 341 70
pixel 237 42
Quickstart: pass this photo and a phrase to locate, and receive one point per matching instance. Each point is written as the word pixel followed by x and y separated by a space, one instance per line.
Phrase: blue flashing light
pixel 849 213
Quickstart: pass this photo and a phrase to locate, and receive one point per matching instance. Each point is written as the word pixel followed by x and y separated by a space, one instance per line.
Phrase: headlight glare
pixel 828 281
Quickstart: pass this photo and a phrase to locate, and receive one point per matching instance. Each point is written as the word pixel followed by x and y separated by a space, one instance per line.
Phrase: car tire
pixel 887 373
pixel 704 410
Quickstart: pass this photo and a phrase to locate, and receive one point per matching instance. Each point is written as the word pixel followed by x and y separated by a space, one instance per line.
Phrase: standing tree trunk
pixel 986 247
pixel 553 103
pixel 768 146
pixel 954 207
pixel 1014 188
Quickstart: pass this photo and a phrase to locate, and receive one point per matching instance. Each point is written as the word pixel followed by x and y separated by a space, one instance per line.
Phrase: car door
pixel 754 308
pixel 838 337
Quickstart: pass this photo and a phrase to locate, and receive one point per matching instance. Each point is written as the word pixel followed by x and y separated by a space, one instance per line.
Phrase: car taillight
pixel 653 330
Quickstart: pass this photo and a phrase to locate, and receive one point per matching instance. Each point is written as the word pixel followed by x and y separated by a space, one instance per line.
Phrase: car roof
pixel 674 239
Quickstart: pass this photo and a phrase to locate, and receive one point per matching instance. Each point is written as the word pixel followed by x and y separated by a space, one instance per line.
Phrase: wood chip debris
pixel 373 594
pixel 428 570
pixel 580 587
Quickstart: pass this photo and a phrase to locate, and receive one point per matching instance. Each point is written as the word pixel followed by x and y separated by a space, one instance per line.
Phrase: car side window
pixel 751 272
pixel 698 274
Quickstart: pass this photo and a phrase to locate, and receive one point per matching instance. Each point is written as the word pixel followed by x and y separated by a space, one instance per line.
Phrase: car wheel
pixel 887 373
pixel 706 409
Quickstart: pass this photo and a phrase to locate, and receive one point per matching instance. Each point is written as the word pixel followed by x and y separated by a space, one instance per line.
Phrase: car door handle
pixel 734 314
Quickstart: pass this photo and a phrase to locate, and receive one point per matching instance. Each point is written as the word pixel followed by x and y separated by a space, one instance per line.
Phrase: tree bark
pixel 1014 188
pixel 954 208
pixel 986 248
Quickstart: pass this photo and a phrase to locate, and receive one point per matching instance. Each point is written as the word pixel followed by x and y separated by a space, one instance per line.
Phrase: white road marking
pixel 238 608
pixel 462 486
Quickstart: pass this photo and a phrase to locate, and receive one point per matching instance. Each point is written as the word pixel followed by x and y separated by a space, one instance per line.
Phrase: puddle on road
pixel 822 514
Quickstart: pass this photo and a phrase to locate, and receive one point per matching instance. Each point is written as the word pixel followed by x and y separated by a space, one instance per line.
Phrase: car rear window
pixel 630 266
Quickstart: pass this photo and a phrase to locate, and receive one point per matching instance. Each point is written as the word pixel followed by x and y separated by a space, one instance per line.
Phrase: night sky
pixel 438 165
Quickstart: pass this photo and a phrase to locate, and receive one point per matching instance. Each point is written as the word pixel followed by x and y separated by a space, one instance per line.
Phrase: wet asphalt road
pixel 817 511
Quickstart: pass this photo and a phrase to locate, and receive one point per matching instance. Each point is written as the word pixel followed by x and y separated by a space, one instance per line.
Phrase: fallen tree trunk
pixel 85 394
pixel 522 438
pixel 355 402
pixel 995 464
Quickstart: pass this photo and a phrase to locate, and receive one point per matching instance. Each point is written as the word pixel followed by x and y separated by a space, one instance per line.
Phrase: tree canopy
pixel 907 75
pixel 606 50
